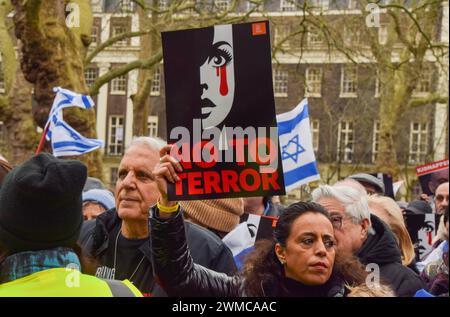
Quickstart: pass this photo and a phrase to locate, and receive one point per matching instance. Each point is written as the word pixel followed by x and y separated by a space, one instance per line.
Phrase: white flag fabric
pixel 297 152
pixel 241 240
pixel 396 186
pixel 66 141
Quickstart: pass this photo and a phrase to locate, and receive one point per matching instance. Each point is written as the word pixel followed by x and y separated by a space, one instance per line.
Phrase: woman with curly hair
pixel 300 260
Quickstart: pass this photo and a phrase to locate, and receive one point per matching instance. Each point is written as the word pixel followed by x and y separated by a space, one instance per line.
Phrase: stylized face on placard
pixel 425 236
pixel 217 78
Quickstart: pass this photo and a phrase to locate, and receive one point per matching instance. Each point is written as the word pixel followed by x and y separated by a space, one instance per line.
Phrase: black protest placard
pixel 264 225
pixel 221 112
pixel 422 229
pixel 388 184
pixel 432 175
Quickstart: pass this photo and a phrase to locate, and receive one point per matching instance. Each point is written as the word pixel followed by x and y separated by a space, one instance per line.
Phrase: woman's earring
pixel 282 261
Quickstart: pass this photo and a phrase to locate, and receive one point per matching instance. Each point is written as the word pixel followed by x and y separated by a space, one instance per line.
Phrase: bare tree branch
pixel 401 34
pixel 122 70
pixel 430 99
pixel 412 17
pixel 112 41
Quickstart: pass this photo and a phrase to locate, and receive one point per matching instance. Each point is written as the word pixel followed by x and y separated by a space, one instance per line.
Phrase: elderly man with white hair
pixel 362 234
pixel 119 238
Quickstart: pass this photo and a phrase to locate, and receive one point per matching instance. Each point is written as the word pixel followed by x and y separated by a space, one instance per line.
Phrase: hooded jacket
pixel 207 249
pixel 382 249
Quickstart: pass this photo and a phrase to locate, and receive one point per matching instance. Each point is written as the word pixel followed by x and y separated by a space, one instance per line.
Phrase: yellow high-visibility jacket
pixel 61 282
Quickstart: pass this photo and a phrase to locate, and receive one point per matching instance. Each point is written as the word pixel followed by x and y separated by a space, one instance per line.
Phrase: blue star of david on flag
pixel 299 162
pixel 292 149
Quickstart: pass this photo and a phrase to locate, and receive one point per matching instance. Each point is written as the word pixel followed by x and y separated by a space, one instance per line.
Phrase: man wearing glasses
pixel 360 234
pixel 441 198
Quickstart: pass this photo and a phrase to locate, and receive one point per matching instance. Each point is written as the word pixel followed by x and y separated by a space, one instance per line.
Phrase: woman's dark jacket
pixel 180 276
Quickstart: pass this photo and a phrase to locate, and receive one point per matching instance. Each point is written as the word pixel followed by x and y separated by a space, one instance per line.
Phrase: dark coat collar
pixel 106 223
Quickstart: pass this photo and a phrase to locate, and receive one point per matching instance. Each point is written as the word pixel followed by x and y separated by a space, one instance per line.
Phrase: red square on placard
pixel 259 28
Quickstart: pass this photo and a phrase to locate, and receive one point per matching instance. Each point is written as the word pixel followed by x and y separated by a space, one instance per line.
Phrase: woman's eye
pixel 219 61
pixel 220 58
pixel 428 226
pixel 307 241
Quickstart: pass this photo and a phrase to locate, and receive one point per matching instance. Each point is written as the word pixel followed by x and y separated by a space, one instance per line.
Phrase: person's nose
pixel 129 182
pixel 203 87
pixel 321 250
pixel 445 202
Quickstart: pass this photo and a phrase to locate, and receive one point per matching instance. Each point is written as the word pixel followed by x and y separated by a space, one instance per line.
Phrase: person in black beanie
pixel 40 221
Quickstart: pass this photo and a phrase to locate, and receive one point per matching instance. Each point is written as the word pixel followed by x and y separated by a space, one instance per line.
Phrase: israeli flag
pixel 66 141
pixel 297 152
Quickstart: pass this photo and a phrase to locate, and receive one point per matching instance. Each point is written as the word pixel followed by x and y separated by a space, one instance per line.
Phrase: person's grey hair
pixel 353 184
pixel 354 200
pixel 154 143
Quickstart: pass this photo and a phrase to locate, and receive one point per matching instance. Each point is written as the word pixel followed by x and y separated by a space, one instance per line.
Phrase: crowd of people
pixel 63 233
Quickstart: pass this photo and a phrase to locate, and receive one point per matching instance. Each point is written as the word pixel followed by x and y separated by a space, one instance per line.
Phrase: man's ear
pixel 365 225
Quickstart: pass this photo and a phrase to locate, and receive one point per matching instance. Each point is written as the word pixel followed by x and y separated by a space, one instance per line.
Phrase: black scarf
pixel 334 287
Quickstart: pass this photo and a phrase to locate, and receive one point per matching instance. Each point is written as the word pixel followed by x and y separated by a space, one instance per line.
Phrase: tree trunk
pixel 52 55
pixel 149 43
pixel 9 63
pixel 21 130
pixel 15 110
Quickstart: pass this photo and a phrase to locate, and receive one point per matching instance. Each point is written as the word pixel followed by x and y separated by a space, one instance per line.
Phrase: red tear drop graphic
pixel 223 80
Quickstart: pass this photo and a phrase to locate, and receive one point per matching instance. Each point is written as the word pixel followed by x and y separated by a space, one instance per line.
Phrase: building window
pixel 382 34
pixel 418 142
pixel 318 5
pixel 377 85
pixel 423 86
pixel 288 5
pixel 90 75
pixel 282 33
pixel 313 82
pixel 345 142
pixel 349 82
pixel 252 6
pixel 155 89
pixel 353 4
pixel 94 35
pixel 315 37
pixel 351 36
pixel 280 82
pixel 119 85
pixel 115 144
pixel 113 176
pixel 222 5
pixel 315 134
pixel 163 5
pixel 117 30
pixel 375 140
pixel 126 5
pixel 152 126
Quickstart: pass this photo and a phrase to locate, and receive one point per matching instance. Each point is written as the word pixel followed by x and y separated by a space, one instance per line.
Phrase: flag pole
pixel 42 141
